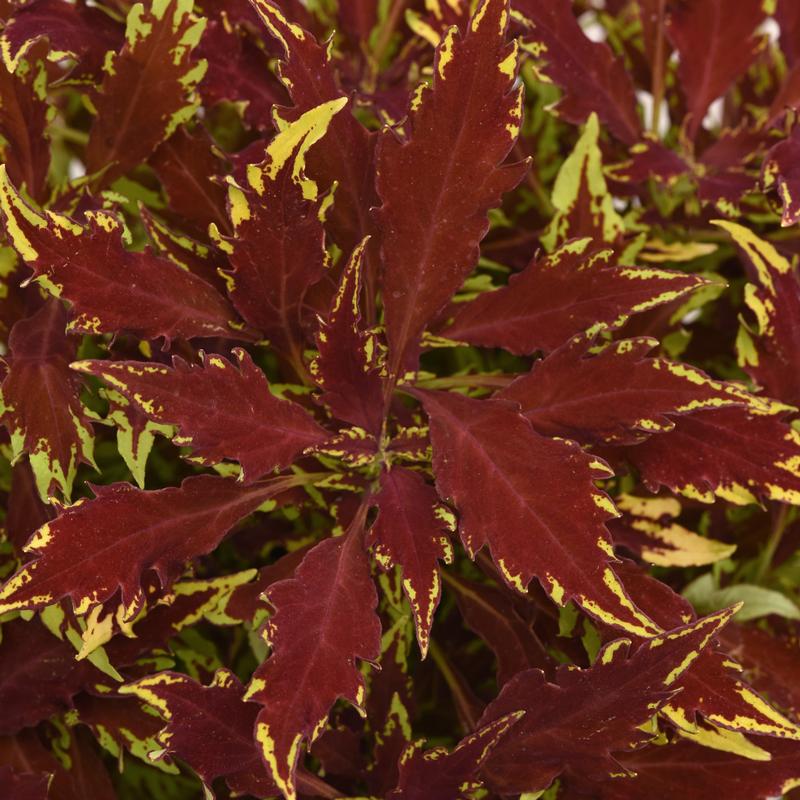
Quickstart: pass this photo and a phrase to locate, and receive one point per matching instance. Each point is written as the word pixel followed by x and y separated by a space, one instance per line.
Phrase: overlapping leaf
pixel 544 516
pixel 324 621
pixel 572 291
pixel 346 157
pixel 96 548
pixel 437 185
pixel 688 771
pixel 131 119
pixel 617 395
pixel 221 410
pixel 412 531
pixel 111 288
pixel 41 406
pixel 770 351
pixel 346 368
pixel 277 250
pixel 573 724
pixel 198 716
pixel 729 453
pixel 593 79
pixel 714 46
pixel 438 775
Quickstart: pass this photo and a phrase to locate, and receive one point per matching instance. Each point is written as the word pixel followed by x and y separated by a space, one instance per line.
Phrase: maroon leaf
pixel 238 71
pixel 324 620
pixel 81 31
pixel 277 251
pixel 713 685
pixel 492 614
pixel 412 531
pixel 185 164
pixel 41 400
pixel 110 288
pixel 617 395
pixel 576 723
pixel 571 291
pixel 220 410
pixel 542 492
pixel 779 172
pixel 345 369
pixel 97 547
pixel 132 120
pixel 728 453
pixel 688 771
pixel 208 727
pixel 438 184
pixel 39 675
pixel 439 775
pixel 346 155
pixel 23 123
pixel 593 79
pixel 714 48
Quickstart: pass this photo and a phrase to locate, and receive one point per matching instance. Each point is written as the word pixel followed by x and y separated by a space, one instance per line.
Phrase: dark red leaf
pixel 324 621
pixel 111 288
pixel 412 531
pixel 41 400
pixel 96 548
pixel 512 487
pixel 714 48
pixel 438 183
pixel 578 722
pixel 438 775
pixel 221 410
pixel 132 119
pixel 346 368
pixel 593 79
pixel 574 290
pixel 617 395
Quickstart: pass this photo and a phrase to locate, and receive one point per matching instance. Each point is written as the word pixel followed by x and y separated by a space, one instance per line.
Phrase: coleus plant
pixel 400 399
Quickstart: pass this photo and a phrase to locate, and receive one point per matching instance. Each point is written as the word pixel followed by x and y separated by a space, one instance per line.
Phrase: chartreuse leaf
pixel 583 204
pixel 543 517
pixel 438 183
pixel 40 402
pixel 132 120
pixel 110 288
pixel 97 548
pixel 573 724
pixel 648 528
pixel 324 622
pixel 757 601
pixel 575 290
pixel 220 410
pixel 770 350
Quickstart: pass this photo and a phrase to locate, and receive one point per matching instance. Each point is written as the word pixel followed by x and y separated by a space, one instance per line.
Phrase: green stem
pixel 440 659
pixel 779 526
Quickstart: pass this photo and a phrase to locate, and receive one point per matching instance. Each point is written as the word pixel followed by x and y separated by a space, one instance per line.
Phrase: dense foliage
pixel 400 400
